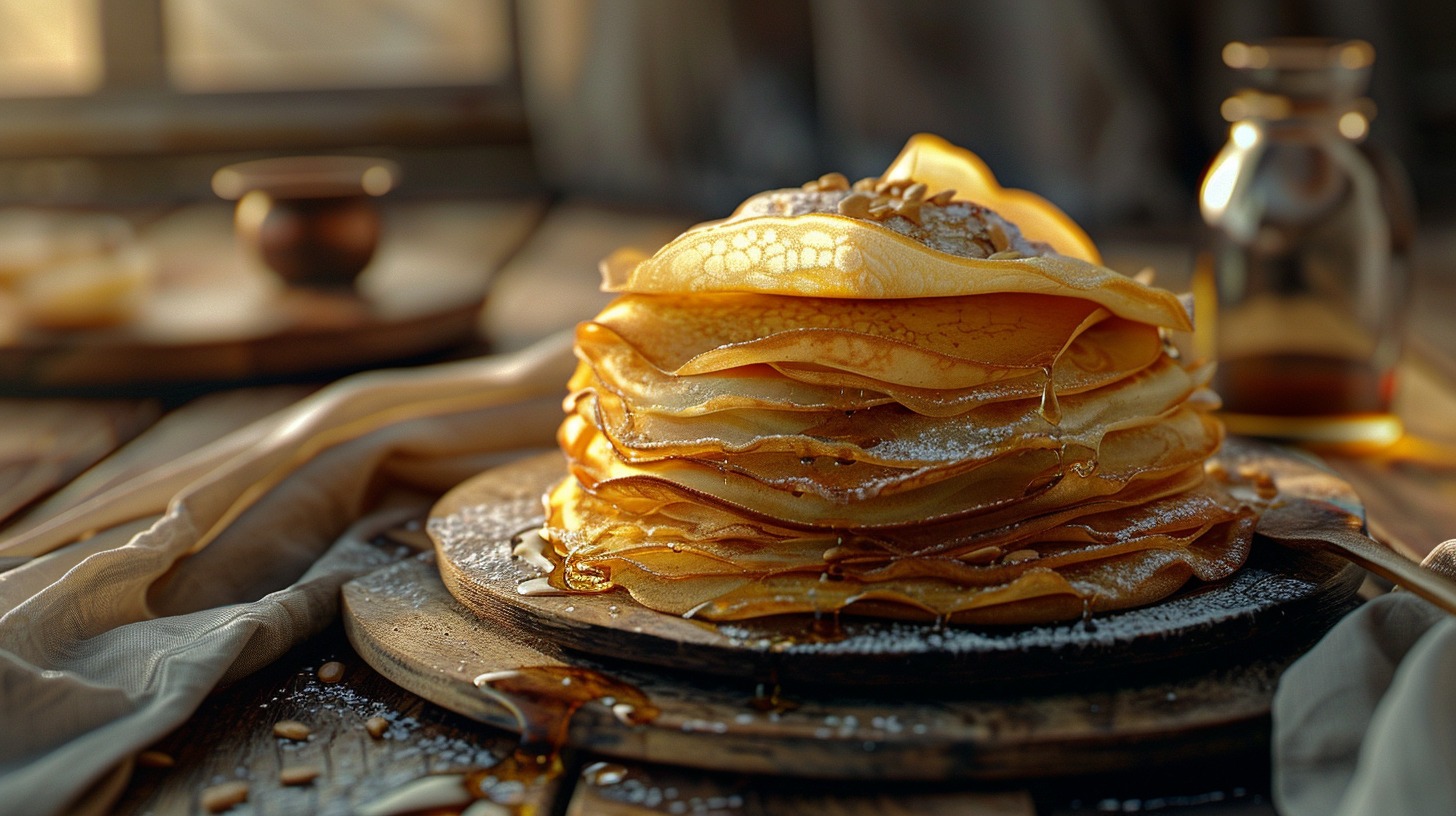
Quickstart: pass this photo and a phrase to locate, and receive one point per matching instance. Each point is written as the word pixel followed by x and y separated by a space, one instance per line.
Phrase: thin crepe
pixel 798 410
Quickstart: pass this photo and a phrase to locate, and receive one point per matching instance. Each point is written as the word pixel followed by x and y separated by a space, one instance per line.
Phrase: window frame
pixel 137 111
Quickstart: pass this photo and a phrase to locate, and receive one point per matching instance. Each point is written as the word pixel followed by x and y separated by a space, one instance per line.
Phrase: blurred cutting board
pixel 214 315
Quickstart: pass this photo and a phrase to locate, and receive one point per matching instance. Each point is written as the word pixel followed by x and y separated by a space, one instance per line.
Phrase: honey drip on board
pixel 825 627
pixel 768 698
pixel 1088 625
pixel 543 699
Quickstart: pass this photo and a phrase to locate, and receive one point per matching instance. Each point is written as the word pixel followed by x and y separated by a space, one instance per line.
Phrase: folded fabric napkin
pixel 1366 721
pixel 125 605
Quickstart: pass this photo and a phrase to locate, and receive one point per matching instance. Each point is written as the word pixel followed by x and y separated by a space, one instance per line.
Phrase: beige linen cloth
pixel 158 587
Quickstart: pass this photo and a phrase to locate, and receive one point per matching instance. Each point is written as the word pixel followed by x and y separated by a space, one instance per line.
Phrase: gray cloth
pixel 216 563
pixel 1366 721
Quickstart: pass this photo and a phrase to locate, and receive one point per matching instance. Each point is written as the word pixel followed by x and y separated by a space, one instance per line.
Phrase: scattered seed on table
pixel 298 774
pixel 222 797
pixel 291 729
pixel 376 726
pixel 331 672
pixel 155 759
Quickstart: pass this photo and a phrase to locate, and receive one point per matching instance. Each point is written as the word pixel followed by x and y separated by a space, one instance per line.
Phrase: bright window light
pixel 50 48
pixel 265 45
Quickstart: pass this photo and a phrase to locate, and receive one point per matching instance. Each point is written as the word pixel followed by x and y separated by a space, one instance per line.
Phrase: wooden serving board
pixel 404 623
pixel 1143 688
pixel 1279 595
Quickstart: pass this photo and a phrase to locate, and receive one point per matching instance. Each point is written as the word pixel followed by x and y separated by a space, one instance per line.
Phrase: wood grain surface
pixel 231 738
pixel 46 443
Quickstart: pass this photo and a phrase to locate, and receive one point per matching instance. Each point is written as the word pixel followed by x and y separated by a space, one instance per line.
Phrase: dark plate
pixel 1281 597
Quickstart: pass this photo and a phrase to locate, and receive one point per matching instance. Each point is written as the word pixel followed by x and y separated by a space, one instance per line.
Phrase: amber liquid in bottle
pixel 1304 385
pixel 1308 397
pixel 1302 355
pixel 1308 242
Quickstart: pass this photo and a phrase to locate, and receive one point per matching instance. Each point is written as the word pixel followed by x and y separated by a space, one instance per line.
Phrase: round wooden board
pixel 405 624
pixel 1279 597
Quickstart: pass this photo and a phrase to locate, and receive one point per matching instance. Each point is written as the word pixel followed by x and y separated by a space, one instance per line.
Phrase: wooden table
pixel 548 282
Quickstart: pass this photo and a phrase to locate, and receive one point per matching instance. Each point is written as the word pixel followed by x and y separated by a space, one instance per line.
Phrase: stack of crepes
pixel 885 399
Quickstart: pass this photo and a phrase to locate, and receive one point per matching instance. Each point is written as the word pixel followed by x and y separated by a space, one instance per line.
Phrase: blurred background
pixel 536 136
pixel 1108 107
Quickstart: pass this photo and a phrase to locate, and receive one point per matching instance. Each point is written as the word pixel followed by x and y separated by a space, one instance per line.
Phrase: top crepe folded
pixel 813 252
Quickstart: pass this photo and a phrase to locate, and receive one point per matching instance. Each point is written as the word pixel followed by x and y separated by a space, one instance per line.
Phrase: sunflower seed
pixel 298 774
pixel 331 672
pixel 222 797
pixel 291 729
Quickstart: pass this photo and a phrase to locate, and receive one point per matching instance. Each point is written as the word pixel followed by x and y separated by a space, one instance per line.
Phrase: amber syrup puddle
pixel 543 699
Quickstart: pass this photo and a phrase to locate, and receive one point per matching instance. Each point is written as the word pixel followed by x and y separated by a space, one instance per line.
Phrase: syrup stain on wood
pixel 543 700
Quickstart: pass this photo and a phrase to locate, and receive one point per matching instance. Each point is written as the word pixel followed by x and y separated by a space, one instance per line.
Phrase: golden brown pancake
pixel 889 399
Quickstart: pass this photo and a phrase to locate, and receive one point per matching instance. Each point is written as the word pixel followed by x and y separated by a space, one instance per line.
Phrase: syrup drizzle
pixel 1083 461
pixel 1050 409
pixel 769 699
pixel 1088 625
pixel 543 699
pixel 1085 467
pixel 825 627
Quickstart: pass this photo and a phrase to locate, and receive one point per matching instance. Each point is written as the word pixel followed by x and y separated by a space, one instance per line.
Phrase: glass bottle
pixel 1301 294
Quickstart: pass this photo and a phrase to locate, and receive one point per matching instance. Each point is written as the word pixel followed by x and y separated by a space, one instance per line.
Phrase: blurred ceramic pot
pixel 312 219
